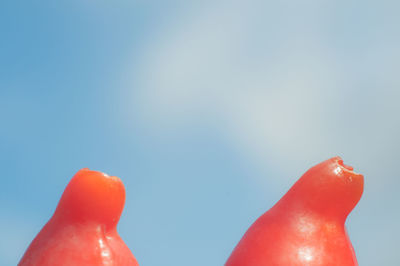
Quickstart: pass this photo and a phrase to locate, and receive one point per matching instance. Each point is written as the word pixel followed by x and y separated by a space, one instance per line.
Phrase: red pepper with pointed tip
pixel 307 225
pixel 83 230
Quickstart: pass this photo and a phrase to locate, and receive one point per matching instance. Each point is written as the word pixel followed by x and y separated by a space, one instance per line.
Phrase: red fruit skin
pixel 83 230
pixel 307 225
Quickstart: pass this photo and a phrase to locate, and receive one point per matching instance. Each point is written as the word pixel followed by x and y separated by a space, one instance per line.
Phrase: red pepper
pixel 307 226
pixel 83 230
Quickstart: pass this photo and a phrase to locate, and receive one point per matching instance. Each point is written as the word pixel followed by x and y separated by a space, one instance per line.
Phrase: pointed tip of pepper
pixel 330 188
pixel 92 196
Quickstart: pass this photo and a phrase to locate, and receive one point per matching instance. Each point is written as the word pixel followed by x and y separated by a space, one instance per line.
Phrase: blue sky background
pixel 209 111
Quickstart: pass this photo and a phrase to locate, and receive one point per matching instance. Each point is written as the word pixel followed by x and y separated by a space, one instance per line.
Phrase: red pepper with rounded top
pixel 307 225
pixel 83 230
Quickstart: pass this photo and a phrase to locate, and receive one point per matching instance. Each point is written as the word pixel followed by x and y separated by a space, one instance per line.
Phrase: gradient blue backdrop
pixel 208 111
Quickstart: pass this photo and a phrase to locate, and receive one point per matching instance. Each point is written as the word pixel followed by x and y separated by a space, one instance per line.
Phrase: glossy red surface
pixel 82 230
pixel 307 225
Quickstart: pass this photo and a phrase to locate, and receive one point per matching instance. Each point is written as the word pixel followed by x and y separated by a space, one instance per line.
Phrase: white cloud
pixel 272 80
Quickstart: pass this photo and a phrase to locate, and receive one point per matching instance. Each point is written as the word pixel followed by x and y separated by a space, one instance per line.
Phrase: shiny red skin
pixel 307 225
pixel 83 230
